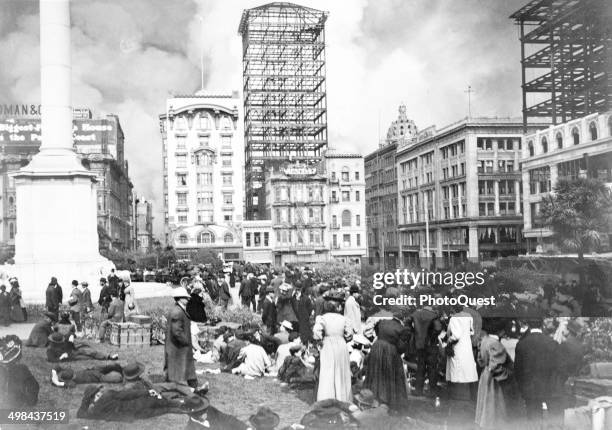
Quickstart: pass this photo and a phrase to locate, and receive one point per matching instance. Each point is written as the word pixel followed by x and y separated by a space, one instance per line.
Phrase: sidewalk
pixel 20 329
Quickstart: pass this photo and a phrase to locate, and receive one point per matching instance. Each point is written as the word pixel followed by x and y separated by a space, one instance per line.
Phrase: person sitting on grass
pixel 115 315
pixel 283 332
pixel 62 348
pixel 18 385
pixel 255 361
pixel 39 336
pixel 284 350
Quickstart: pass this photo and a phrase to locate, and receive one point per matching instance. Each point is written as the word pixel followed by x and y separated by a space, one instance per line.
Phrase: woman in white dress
pixel 131 308
pixel 460 364
pixel 334 367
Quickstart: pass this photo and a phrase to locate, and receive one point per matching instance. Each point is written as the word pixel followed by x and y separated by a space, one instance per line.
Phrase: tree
pixel 578 211
pixel 208 258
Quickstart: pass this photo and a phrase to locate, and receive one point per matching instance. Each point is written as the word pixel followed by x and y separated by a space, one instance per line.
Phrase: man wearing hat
pixel 224 291
pixel 352 311
pixel 86 303
pixel 19 387
pixel 268 314
pixel 61 348
pixel 53 296
pixel 40 332
pixel 62 376
pixel 105 298
pixel 264 419
pixel 179 365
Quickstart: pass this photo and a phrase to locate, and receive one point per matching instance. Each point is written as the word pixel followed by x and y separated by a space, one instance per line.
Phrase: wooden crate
pixel 130 334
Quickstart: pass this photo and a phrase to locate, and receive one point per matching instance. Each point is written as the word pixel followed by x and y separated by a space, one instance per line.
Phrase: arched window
pixel 345 173
pixel 203 122
pixel 575 136
pixel 11 231
pixel 544 145
pixel 206 237
pixel 228 238
pixel 183 239
pixel 180 123
pixel 530 147
pixel 226 123
pixel 346 218
pixel 559 138
pixel 593 130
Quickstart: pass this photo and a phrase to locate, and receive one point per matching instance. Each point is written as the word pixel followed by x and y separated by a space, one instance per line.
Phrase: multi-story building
pixel 285 102
pixel 258 239
pixel 100 143
pixel 459 193
pixel 578 148
pixel 346 207
pixel 203 164
pixel 143 225
pixel 296 203
pixel 381 193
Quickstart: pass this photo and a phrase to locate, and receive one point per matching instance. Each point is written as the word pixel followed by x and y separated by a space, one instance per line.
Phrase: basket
pixel 130 334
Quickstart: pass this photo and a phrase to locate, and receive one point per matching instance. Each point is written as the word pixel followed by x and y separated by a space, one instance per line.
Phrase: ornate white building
pixel 203 156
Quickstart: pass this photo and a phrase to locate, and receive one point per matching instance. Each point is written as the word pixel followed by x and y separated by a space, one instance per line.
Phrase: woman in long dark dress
pixel 17 310
pixel 304 311
pixel 385 375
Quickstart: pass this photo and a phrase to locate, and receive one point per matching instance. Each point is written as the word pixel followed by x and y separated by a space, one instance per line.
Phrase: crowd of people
pixel 312 336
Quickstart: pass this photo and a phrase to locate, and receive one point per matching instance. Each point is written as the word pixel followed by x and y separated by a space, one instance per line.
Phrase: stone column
pixel 473 244
pixel 459 199
pixel 517 190
pixel 496 192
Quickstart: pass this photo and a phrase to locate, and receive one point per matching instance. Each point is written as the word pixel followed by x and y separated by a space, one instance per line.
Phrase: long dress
pixel 16 310
pixel 497 398
pixel 385 375
pixel 335 368
pixel 461 367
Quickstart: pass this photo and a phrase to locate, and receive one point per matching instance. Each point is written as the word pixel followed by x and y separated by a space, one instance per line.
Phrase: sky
pixel 128 57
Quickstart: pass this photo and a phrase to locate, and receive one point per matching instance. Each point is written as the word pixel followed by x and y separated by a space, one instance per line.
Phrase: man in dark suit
pixel 224 292
pixel 54 296
pixel 536 370
pixel 113 281
pixel 425 334
pixel 268 314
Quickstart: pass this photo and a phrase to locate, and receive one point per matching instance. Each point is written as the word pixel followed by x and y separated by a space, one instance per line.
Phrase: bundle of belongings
pixel 18 387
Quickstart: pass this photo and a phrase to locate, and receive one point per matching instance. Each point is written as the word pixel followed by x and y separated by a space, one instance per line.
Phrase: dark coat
pixel 105 296
pixel 113 282
pixel 571 357
pixel 39 334
pixel 86 303
pixel 224 292
pixel 422 319
pixel 5 307
pixel 124 405
pixel 268 314
pixel 179 364
pixel 16 311
pixel 54 297
pixel 217 420
pixel 536 366
pixel 18 385
pixel 304 309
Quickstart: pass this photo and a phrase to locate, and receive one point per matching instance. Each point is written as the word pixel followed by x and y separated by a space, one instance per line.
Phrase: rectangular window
pixel 482 209
pixel 227 178
pixel 490 209
pixel 227 198
pixel 182 219
pixel 266 239
pixel 488 166
pixel 181 179
pixel 257 239
pixel 346 196
pixel 509 166
pixel 181 199
pixel 181 161
pixel 226 161
pixel 357 196
pixel 226 141
pixel 346 240
pixel 358 239
pixel 248 239
pixel 180 142
pixel 357 220
pixel 357 175
pixel 345 176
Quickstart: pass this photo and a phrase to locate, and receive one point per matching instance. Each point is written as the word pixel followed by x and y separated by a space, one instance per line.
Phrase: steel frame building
pixel 285 105
pixel 566 58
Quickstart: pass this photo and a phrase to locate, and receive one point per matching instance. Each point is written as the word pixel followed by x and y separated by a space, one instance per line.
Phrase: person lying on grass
pixel 62 348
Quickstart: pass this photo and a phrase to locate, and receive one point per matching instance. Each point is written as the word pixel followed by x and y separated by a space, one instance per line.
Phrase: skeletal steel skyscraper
pixel 284 90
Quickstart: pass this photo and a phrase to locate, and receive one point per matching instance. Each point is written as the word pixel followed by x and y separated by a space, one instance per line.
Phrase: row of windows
pixel 575 138
pixel 503 144
pixel 487 166
pixel 453 149
pixel 345 175
pixel 346 218
pixel 257 239
pixel 315 237
pixel 455 170
pixel 453 190
pixel 205 238
pixel 505 187
pixel 346 240
pixel 284 193
pixel 505 208
pixel 201 122
pixel 346 196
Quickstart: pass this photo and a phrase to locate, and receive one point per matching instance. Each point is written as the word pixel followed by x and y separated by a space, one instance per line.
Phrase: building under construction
pixel 566 58
pixel 285 106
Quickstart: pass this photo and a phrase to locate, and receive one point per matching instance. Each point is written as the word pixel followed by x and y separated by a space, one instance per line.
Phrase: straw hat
pixel 133 370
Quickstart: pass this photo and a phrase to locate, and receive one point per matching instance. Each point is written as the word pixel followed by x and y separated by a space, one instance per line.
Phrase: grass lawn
pixel 229 393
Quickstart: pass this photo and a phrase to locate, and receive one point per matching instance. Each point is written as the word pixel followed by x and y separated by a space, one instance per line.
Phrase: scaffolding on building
pixel 284 90
pixel 566 59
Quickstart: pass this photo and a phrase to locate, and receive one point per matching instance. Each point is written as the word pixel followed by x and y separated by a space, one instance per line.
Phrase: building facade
pixel 101 144
pixel 203 173
pixel 258 240
pixel 459 193
pixel 347 221
pixel 577 148
pixel 143 225
pixel 285 96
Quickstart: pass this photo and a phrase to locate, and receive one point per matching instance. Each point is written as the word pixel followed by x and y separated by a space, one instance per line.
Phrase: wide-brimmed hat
pixel 180 292
pixel 367 398
pixel 265 418
pixel 194 404
pixel 287 325
pixel 56 338
pixel 52 316
pixel 133 370
pixel 10 349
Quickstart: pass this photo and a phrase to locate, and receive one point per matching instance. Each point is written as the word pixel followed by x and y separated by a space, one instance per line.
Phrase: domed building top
pixel 402 128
